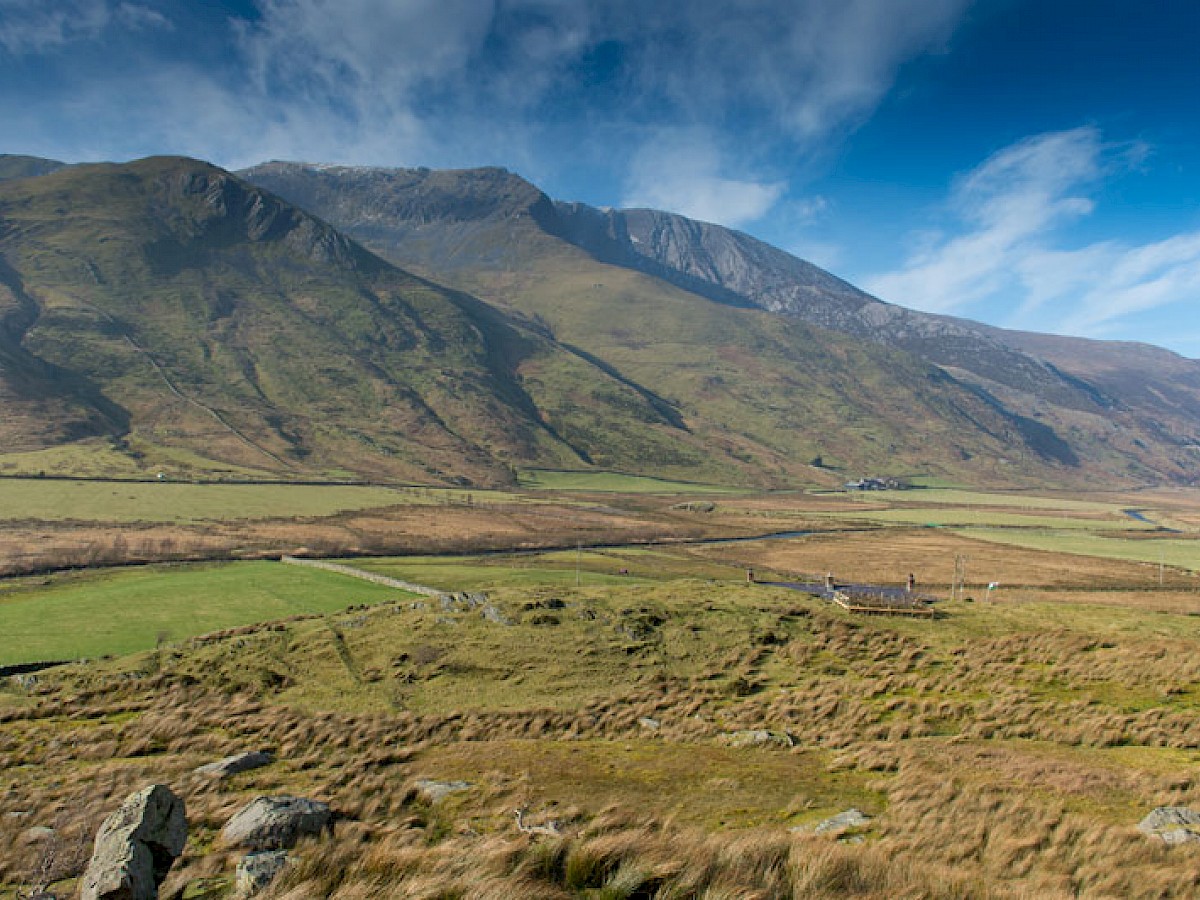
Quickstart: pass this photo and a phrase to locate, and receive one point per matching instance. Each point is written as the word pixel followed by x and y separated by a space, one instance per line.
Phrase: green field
pixel 99 458
pixel 1014 500
pixel 550 569
pixel 949 518
pixel 125 501
pixel 1184 554
pixel 121 611
pixel 614 482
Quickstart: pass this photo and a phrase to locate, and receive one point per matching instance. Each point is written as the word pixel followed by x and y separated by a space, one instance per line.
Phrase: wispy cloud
pixel 39 26
pixel 461 82
pixel 1011 210
pixel 682 172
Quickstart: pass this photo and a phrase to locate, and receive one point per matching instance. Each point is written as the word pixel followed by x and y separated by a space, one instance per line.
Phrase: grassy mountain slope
pixel 172 307
pixel 13 166
pixel 1132 407
pixel 766 390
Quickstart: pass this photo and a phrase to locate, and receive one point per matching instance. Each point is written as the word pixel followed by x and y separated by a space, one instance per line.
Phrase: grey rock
pixel 649 723
pixel 492 614
pixel 232 765
pixel 275 823
pixel 257 870
pixel 136 846
pixel 759 737
pixel 435 791
pixel 37 834
pixel 1172 825
pixel 462 601
pixel 842 822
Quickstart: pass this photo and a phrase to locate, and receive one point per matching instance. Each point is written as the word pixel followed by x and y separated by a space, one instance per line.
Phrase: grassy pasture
pixel 613 483
pixel 123 611
pixel 946 517
pixel 98 458
pixel 693 787
pixel 1010 500
pixel 1180 553
pixel 127 501
pixel 551 568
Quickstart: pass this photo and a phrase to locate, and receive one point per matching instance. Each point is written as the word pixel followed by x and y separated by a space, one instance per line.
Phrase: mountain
pixel 196 322
pixel 291 320
pixel 771 382
pixel 1126 413
pixel 1141 402
pixel 26 166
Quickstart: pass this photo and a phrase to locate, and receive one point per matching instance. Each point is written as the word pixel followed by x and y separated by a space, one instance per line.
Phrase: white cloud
pixel 1008 203
pixel 348 46
pixel 807 66
pixel 680 173
pixel 35 26
pixel 38 26
pixel 1013 208
pixel 137 17
pixel 1122 281
pixel 472 81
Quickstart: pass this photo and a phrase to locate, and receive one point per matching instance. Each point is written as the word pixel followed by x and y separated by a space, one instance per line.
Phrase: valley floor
pixel 684 730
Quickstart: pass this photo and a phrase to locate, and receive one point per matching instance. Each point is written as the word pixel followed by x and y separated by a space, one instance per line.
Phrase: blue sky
pixel 1029 163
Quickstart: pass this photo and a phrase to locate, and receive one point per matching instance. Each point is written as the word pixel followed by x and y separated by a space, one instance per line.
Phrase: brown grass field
pixel 887 556
pixel 1006 749
pixel 35 546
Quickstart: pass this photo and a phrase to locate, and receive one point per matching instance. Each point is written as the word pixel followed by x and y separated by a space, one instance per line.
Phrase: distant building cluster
pixel 875 484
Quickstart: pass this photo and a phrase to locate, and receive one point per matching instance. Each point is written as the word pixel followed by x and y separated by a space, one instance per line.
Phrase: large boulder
pixel 1172 825
pixel 136 846
pixel 276 823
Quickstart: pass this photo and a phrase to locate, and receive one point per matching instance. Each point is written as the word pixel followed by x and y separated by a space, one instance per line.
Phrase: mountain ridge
pixel 500 239
pixel 1144 433
pixel 294 320
pixel 222 320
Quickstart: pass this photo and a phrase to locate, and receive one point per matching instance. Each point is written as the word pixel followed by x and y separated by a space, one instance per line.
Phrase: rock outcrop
pixel 1172 825
pixel 758 737
pixel 276 823
pixel 232 765
pixel 842 822
pixel 432 791
pixel 136 846
pixel 257 870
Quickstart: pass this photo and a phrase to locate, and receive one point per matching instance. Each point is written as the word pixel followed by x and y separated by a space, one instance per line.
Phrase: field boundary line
pixel 374 577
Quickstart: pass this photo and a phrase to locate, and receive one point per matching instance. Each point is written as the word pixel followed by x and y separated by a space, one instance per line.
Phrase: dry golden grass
pixel 42 546
pixel 1003 753
pixel 887 556
pixel 1004 750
